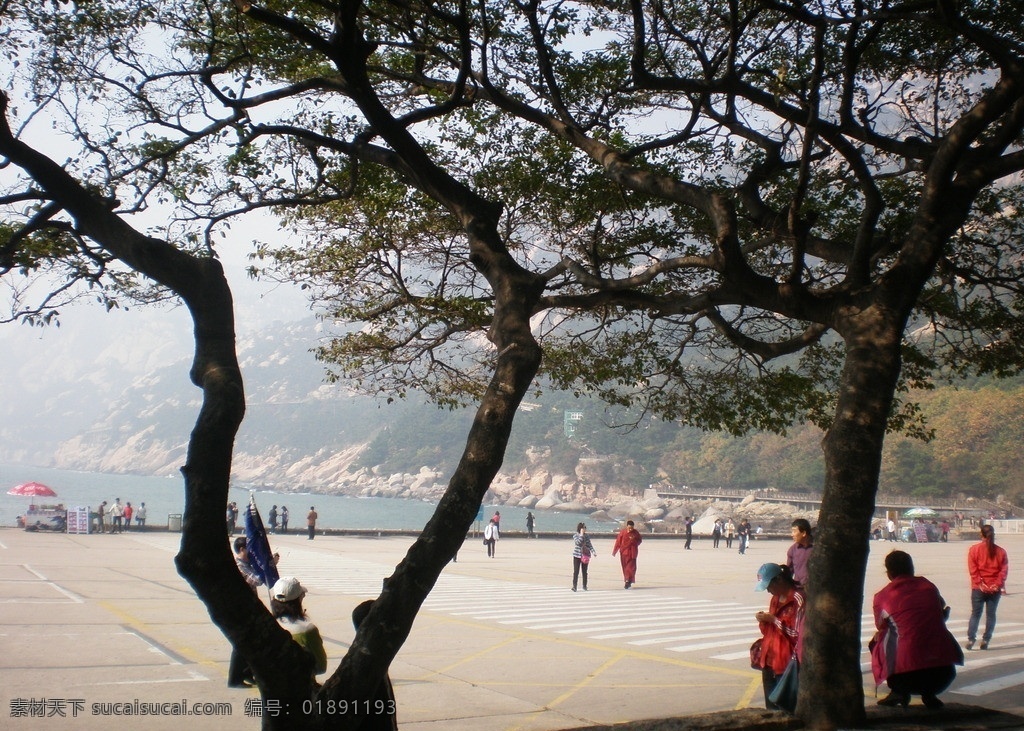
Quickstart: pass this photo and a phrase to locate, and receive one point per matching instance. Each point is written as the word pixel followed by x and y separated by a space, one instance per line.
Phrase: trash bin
pixel 174 522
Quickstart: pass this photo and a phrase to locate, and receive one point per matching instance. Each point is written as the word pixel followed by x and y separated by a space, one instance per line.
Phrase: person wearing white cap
pixel 286 605
pixel 780 626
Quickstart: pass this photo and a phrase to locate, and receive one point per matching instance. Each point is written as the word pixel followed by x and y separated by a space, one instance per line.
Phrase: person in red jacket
pixel 780 626
pixel 912 650
pixel 627 546
pixel 988 566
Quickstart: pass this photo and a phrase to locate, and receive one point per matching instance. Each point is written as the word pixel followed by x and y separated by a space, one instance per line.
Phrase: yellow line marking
pixel 136 623
pixel 748 695
pixel 586 681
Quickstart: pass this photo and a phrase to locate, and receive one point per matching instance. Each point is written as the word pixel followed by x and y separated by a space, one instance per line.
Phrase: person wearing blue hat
pixel 780 626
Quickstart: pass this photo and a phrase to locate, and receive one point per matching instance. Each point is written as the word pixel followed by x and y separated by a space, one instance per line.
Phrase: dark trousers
pixel 982 601
pixel 929 681
pixel 238 669
pixel 577 567
pixel 769 680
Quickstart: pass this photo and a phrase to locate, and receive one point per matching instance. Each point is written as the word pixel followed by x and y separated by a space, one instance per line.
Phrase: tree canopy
pixel 735 215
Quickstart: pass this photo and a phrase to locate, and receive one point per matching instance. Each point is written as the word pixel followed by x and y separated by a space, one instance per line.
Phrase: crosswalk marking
pixel 670 624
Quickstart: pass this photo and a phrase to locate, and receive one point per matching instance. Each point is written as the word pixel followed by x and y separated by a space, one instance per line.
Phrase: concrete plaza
pixel 91 621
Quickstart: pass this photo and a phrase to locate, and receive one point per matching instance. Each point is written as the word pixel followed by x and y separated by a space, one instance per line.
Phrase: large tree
pixel 622 183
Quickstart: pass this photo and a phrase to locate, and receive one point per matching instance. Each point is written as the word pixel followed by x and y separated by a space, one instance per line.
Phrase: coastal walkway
pixel 96 626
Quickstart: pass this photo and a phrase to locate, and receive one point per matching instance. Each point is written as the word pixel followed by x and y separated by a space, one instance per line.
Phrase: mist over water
pixel 165 496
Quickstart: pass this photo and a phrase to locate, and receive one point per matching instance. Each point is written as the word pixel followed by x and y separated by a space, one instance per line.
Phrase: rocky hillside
pixel 81 401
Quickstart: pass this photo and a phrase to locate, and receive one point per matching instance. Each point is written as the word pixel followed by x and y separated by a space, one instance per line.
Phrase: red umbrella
pixel 32 489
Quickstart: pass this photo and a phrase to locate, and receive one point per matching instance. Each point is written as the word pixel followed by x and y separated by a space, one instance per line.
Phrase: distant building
pixel 571 421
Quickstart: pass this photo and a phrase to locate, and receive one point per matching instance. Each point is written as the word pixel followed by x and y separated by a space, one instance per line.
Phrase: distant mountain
pixel 119 401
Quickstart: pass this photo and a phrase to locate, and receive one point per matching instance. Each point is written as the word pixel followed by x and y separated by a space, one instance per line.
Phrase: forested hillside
pixel 973 452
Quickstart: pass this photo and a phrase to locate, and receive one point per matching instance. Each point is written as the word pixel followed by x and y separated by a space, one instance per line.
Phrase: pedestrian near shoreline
pixel 688 524
pixel 491 536
pixel 311 517
pixel 140 517
pixel 116 516
pixel 582 552
pixel 627 546
pixel 743 532
pixel 988 566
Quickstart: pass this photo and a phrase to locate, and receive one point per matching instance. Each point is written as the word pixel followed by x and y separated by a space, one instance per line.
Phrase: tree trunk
pixel 518 359
pixel 831 682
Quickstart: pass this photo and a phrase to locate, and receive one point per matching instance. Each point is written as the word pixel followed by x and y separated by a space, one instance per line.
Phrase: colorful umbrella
pixel 32 489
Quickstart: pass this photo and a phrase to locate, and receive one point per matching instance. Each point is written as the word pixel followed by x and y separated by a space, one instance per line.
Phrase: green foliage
pixel 971 452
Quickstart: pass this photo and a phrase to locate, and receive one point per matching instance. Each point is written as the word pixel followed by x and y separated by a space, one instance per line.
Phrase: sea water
pixel 165 497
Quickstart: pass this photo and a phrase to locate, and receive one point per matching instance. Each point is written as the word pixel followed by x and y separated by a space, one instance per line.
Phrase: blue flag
pixel 260 557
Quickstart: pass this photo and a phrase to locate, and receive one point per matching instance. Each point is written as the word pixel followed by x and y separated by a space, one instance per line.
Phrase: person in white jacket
pixel 491 536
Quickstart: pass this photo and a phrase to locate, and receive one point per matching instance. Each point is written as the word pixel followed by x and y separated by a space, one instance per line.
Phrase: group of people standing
pixel 912 650
pixel 120 516
pixel 276 519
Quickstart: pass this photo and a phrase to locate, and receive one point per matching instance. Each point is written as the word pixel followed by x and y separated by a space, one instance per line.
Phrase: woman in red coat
pixel 627 546
pixel 912 649
pixel 988 565
pixel 780 626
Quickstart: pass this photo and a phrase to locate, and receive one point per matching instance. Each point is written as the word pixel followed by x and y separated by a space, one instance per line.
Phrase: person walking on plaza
pixel 800 552
pixel 491 536
pixel 688 524
pixel 101 513
pixel 890 528
pixel 780 626
pixel 988 566
pixel 284 518
pixel 272 518
pixel 743 532
pixel 730 532
pixel 716 533
pixel 311 517
pixel 530 520
pixel 627 546
pixel 582 552
pixel 912 651
pixel 129 511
